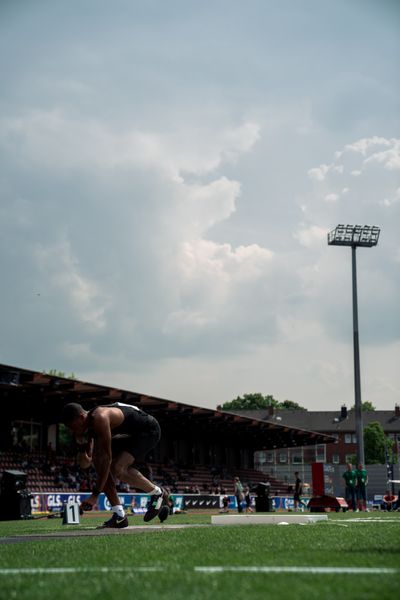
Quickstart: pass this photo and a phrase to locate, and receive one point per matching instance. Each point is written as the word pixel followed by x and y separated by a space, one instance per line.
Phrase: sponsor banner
pixel 137 503
pixel 55 502
pixel 201 501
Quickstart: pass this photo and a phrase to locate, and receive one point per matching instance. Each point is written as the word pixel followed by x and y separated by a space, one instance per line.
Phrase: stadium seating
pixel 54 474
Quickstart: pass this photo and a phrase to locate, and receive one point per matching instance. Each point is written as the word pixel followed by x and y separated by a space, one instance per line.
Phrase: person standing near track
pixel 361 487
pixel 350 479
pixel 298 490
pixel 113 437
pixel 247 499
pixel 239 494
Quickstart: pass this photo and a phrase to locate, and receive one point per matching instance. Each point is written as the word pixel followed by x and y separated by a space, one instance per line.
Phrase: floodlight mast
pixel 353 236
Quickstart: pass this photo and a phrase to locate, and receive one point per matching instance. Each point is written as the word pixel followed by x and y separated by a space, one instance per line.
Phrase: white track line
pixel 58 570
pixel 315 570
pixel 208 570
pixel 371 520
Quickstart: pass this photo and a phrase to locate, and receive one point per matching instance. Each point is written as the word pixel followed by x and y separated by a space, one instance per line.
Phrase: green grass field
pixel 171 564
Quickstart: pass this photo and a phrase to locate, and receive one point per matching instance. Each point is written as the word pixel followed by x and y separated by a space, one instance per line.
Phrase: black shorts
pixel 140 442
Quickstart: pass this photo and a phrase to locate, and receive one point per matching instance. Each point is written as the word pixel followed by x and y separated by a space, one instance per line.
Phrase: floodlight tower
pixel 353 236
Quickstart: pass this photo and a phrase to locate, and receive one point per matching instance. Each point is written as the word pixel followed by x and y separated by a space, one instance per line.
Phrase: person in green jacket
pixel 361 486
pixel 350 479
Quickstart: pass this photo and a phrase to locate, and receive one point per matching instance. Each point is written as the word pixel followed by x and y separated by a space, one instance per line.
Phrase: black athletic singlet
pixel 138 432
pixel 135 419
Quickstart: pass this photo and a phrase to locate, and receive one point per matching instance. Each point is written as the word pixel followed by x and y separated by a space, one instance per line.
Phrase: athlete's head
pixel 74 417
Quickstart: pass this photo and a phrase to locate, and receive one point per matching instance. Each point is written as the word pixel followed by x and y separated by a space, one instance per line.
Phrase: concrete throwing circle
pixel 93 531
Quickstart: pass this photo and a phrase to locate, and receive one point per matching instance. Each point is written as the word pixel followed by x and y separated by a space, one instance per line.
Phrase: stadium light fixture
pixel 355 236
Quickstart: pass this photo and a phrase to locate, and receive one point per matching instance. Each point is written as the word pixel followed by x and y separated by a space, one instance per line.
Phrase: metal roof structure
pixel 328 421
pixel 32 395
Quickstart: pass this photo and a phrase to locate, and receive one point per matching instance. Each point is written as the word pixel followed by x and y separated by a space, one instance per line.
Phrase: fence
pixel 377 477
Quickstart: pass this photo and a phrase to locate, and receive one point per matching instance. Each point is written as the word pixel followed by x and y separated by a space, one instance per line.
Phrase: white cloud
pixel 364 145
pixel 310 235
pixel 389 158
pixel 209 203
pixel 375 150
pixel 393 200
pixel 319 173
pixel 208 280
pixel 223 262
pixel 53 138
pixel 332 197
pixel 82 293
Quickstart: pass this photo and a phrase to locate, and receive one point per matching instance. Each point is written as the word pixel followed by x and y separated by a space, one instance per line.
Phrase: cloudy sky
pixel 168 174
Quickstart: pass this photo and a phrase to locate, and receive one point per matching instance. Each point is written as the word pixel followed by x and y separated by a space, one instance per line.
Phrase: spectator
pixel 239 494
pixel 389 501
pixel 247 499
pixel 225 505
pixel 361 487
pixel 350 479
pixel 297 492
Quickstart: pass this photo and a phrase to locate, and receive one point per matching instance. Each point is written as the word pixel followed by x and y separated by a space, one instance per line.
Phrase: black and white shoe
pixel 115 522
pixel 163 513
pixel 155 504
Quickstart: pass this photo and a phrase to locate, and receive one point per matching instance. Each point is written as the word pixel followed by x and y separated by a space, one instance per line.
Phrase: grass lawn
pixel 170 564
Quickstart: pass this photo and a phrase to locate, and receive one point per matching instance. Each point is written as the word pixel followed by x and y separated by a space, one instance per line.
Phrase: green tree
pixel 257 401
pixel 365 406
pixel 376 443
pixel 55 373
pixel 65 438
pixel 250 402
pixel 290 405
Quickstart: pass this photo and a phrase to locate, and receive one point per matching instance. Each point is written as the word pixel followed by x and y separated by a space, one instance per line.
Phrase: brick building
pixel 282 463
pixel 340 424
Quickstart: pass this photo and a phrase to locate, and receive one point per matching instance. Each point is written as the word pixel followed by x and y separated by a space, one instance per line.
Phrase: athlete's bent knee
pixel 118 470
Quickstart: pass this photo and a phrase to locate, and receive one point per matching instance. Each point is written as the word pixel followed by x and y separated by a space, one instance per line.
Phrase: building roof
pixel 327 421
pixel 26 395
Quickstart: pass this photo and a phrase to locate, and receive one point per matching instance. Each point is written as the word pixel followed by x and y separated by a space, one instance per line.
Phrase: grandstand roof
pixel 26 395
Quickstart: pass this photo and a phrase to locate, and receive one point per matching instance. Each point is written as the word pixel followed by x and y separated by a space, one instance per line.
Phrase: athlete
pixel 112 437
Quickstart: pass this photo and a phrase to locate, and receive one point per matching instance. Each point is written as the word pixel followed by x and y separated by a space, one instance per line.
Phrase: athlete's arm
pixel 85 454
pixel 102 449
pixel 101 432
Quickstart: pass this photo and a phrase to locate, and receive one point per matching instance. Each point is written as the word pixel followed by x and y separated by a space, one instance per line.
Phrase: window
pixel 354 438
pixel 320 453
pixel 283 457
pixel 335 459
pixel 297 459
pixel 347 438
pixel 349 458
pixel 269 457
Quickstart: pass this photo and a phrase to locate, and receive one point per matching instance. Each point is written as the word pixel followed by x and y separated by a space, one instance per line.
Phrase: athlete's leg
pixel 111 491
pixel 122 468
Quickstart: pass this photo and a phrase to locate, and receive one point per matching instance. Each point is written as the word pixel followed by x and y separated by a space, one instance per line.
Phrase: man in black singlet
pixel 112 437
